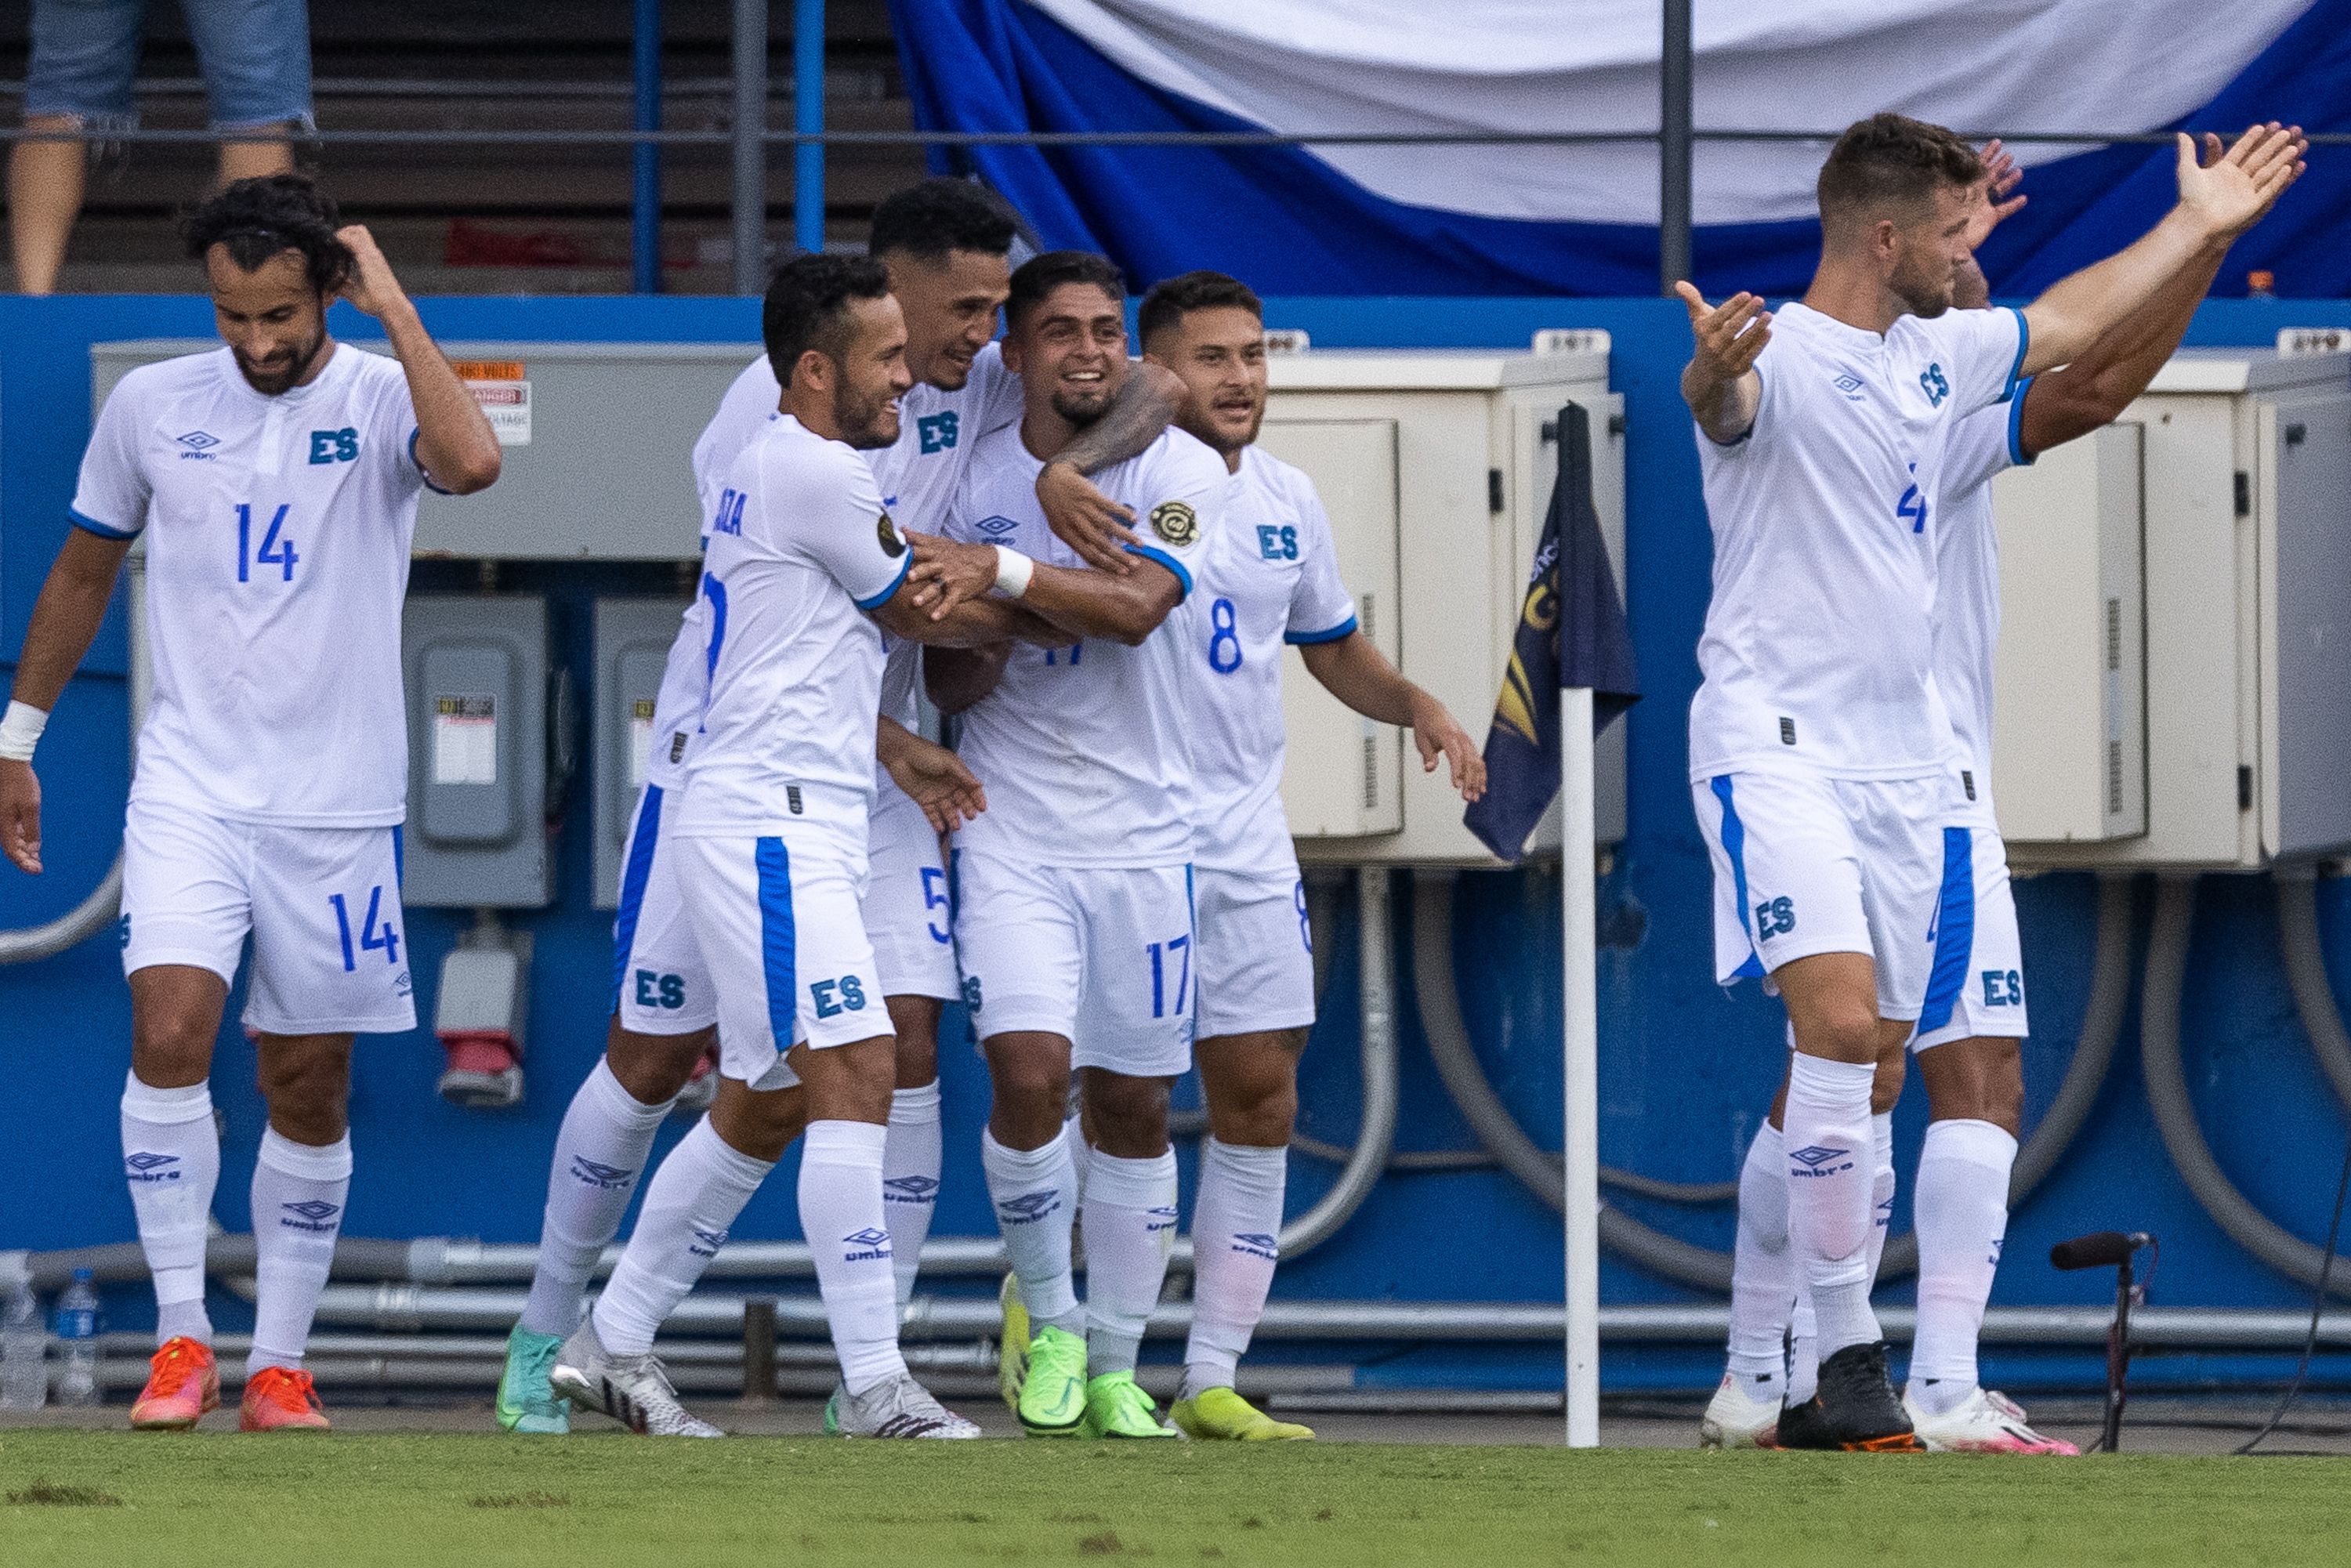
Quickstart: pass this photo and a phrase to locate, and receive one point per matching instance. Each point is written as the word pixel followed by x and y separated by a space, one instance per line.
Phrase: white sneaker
pixel 632 1389
pixel 1986 1422
pixel 900 1408
pixel 1735 1420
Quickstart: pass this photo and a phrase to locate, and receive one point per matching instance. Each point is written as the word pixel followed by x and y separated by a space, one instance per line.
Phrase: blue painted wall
pixel 1685 1067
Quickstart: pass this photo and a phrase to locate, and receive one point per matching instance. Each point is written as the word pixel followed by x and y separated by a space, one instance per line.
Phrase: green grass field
pixel 95 1498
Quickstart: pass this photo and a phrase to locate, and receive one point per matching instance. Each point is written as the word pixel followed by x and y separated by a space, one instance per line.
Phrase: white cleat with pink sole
pixel 1986 1422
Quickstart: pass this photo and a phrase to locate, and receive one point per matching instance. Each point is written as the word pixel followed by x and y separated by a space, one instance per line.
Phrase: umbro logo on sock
pixel 1814 1159
pixel 312 1213
pixel 146 1166
pixel 869 1245
pixel 909 1189
pixel 1029 1206
pixel 1258 1244
pixel 597 1173
pixel 1156 1220
pixel 706 1243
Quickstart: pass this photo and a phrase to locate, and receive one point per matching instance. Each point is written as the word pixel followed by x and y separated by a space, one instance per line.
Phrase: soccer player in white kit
pixel 1272 578
pixel 771 850
pixel 275 481
pixel 1073 916
pixel 1821 760
pixel 944 244
pixel 1968 1045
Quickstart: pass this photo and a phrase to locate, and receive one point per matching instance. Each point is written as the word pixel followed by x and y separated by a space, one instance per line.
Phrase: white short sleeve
pixel 1321 608
pixel 1984 444
pixel 1185 493
pixel 995 391
pixel 111 496
pixel 1978 354
pixel 834 512
pixel 751 401
pixel 390 433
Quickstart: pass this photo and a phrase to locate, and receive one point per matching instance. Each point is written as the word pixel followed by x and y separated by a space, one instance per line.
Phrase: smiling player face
pixel 950 306
pixel 1071 351
pixel 870 375
pixel 1219 353
pixel 273 322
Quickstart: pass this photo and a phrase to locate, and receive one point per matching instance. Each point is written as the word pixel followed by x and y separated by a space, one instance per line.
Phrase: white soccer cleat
pixel 900 1408
pixel 1735 1420
pixel 1986 1422
pixel 632 1389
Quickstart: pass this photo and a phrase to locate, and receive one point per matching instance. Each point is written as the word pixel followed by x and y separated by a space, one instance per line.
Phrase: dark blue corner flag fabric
pixel 1571 632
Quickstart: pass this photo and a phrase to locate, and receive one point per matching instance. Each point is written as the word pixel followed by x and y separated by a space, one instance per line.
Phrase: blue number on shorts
pixel 1777 917
pixel 1075 650
pixel 2003 988
pixel 1225 641
pixel 1305 926
pixel 387 940
pixel 274 551
pixel 934 896
pixel 1163 954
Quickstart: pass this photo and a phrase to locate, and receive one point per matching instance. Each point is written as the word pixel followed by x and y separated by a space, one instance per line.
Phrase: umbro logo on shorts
pixel 1258 1244
pixel 313 1214
pixel 146 1166
pixel 1814 1159
pixel 595 1173
pixel 1029 1206
pixel 909 1189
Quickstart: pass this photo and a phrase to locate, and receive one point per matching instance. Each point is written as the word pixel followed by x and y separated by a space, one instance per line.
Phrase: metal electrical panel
pixel 475 669
pixel 1436 467
pixel 633 642
pixel 2069 720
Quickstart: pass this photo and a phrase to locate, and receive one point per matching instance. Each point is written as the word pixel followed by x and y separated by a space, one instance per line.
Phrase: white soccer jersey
pixel 1966 575
pixel 1818 647
pixel 1085 750
pixel 800 549
pixel 1271 577
pixel 278 536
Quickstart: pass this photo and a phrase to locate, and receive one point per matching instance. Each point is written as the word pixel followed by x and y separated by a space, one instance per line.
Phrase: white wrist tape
pixel 21 731
pixel 1013 571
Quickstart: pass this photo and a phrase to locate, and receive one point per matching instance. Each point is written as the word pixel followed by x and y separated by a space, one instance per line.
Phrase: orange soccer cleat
pixel 280 1399
pixel 184 1384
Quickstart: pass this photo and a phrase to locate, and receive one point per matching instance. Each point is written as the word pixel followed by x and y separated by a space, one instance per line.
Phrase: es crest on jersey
pixel 1175 522
pixel 887 532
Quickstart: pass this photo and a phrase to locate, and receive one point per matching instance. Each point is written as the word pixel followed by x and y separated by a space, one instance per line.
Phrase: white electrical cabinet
pixel 2243 496
pixel 1437 468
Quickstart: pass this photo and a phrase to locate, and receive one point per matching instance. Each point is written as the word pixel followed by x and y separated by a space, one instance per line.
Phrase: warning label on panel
pixel 507 403
pixel 465 741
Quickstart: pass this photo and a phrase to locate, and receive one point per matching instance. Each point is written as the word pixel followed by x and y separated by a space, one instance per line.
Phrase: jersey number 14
pixel 277 547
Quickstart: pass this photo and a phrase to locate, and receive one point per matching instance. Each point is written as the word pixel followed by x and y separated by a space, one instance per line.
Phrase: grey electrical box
pixel 633 643
pixel 476 668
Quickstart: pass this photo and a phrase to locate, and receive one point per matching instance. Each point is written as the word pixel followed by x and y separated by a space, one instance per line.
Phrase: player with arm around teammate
pixel 1073 918
pixel 1272 578
pixel 944 242
pixel 1823 763
pixel 276 482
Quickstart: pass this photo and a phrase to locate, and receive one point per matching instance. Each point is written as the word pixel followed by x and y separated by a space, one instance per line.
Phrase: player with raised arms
pixel 1271 577
pixel 1073 919
pixel 1822 761
pixel 944 244
pixel 274 480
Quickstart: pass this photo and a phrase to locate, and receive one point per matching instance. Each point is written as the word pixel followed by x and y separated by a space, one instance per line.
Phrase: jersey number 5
pixel 276 550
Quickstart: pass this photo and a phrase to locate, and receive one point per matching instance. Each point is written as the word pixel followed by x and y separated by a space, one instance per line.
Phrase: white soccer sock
pixel 1129 1218
pixel 911 1161
pixel 1825 1134
pixel 844 1220
pixel 171 1158
pixel 695 1196
pixel 1803 1350
pixel 1961 1206
pixel 1883 1181
pixel 1034 1194
pixel 1763 1274
pixel 1236 1221
pixel 298 1192
pixel 599 1154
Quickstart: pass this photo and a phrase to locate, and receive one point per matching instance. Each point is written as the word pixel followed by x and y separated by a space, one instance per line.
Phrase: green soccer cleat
pixel 1054 1399
pixel 1116 1408
pixel 1219 1414
pixel 1012 1343
pixel 527 1402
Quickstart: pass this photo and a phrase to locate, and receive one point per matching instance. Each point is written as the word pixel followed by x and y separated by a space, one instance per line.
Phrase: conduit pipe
pixel 2305 972
pixel 2175 1111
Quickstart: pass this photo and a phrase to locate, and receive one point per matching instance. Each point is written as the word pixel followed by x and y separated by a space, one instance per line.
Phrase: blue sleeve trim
pixel 1308 639
pixel 1151 552
pixel 882 598
pixel 104 530
pixel 2023 341
pixel 2016 452
pixel 422 471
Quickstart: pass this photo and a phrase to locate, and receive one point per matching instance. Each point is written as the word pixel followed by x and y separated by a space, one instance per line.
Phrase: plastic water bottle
pixel 24 1368
pixel 77 1342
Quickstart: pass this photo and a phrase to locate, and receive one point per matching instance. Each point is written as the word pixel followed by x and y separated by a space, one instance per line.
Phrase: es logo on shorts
pixel 1774 917
pixel 2003 988
pixel 657 991
pixel 334 446
pixel 850 995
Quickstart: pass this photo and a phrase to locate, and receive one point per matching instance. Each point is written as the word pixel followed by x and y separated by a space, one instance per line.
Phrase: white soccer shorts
pixel 1806 864
pixel 1102 958
pixel 322 905
pixel 907 912
pixel 661 985
pixel 1257 953
pixel 1990 999
pixel 778 922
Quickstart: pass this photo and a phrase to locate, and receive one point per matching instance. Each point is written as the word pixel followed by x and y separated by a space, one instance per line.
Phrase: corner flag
pixel 1571 632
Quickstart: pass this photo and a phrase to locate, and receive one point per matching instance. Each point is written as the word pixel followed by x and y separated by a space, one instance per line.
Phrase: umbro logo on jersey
pixel 595 1173
pixel 1851 385
pixel 199 445
pixel 996 527
pixel 1816 1161
pixel 1029 1206
pixel 908 1189
pixel 312 1213
pixel 145 1167
pixel 1258 1244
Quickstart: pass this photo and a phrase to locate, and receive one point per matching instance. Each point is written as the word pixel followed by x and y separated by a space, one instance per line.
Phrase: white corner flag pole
pixel 1580 1077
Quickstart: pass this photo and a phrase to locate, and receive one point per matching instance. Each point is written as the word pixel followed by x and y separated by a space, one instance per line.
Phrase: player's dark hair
pixel 939 216
pixel 808 307
pixel 1889 163
pixel 268 215
pixel 1172 299
pixel 1041 274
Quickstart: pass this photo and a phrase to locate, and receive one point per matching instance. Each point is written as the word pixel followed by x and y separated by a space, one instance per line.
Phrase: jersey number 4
pixel 276 548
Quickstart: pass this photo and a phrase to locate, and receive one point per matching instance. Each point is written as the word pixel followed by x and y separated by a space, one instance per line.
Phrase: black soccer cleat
pixel 1855 1411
